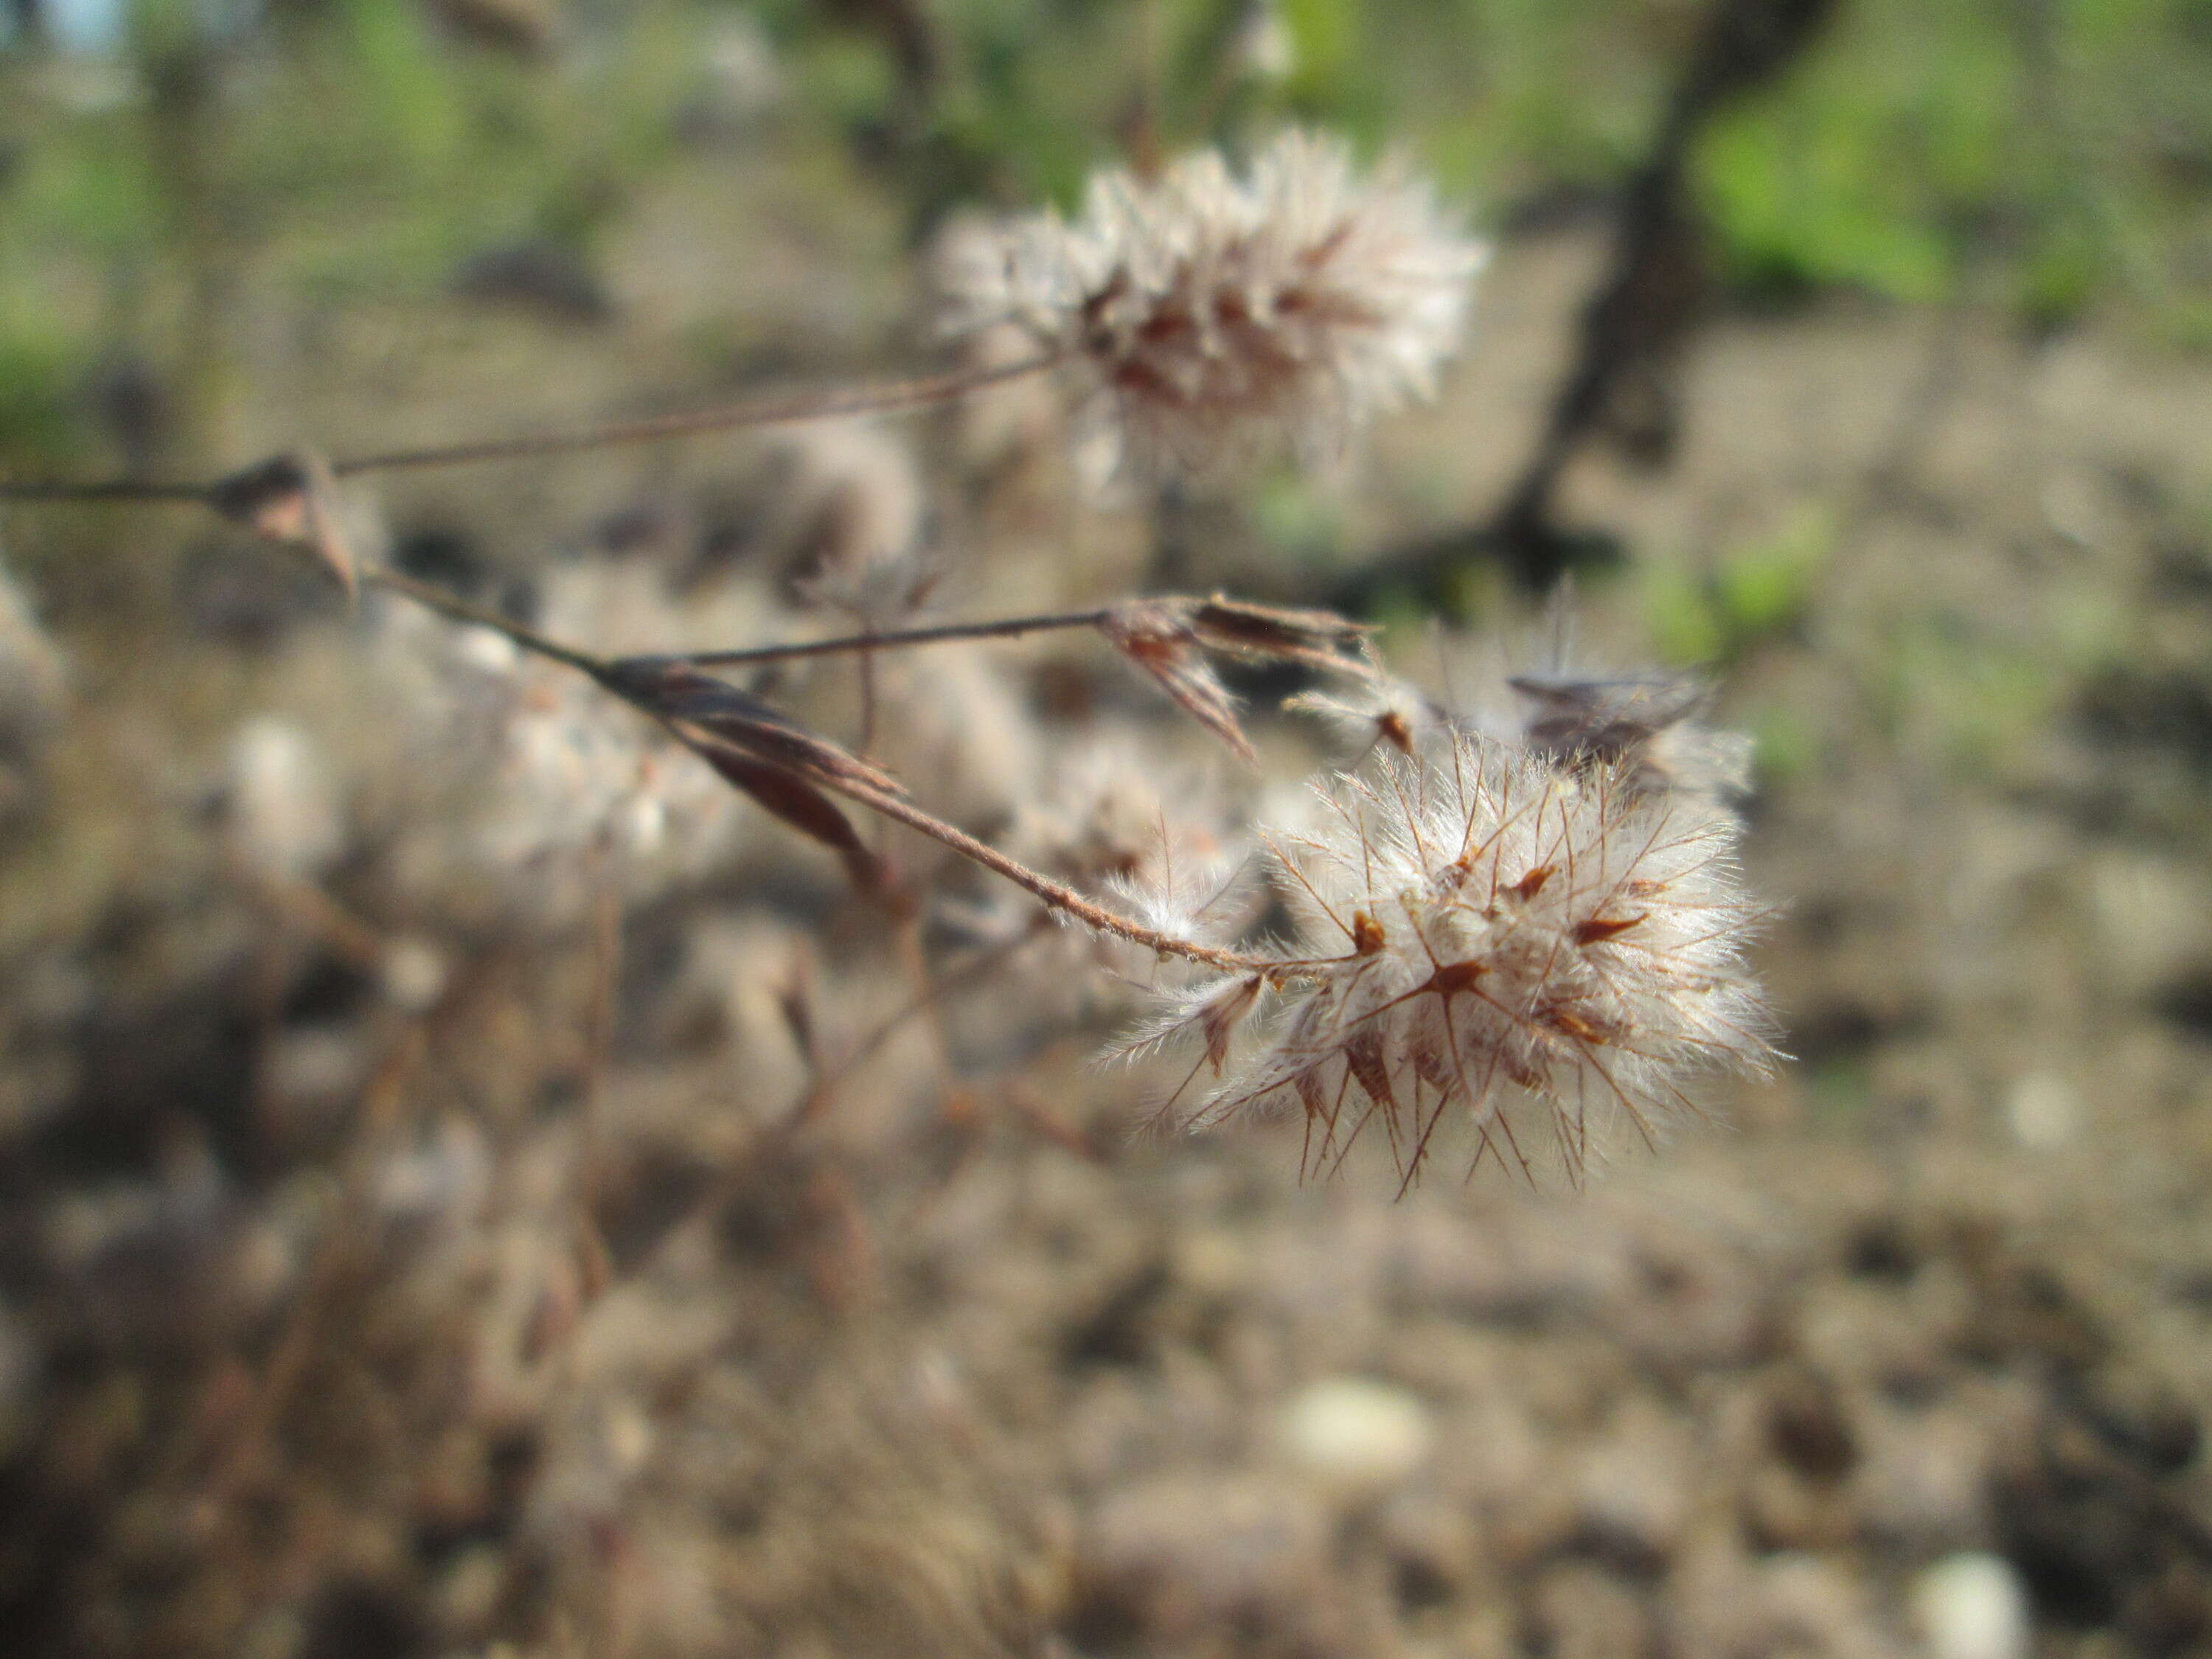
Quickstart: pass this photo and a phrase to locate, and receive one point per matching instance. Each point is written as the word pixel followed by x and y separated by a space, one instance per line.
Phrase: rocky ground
pixel 346 1314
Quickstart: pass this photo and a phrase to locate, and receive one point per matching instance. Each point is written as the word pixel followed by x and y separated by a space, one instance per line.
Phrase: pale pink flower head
pixel 1222 314
pixel 1480 938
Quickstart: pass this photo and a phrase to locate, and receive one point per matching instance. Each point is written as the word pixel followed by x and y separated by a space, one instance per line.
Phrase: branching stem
pixel 1057 895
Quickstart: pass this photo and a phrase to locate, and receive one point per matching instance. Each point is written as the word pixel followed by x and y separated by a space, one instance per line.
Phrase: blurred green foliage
pixel 1760 590
pixel 1964 697
pixel 2051 155
pixel 2062 148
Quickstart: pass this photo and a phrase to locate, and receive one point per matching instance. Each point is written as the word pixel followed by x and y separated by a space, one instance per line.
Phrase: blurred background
pixel 452 1203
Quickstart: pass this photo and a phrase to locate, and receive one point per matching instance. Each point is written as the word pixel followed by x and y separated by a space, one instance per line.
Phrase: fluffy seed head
pixel 1476 935
pixel 1222 313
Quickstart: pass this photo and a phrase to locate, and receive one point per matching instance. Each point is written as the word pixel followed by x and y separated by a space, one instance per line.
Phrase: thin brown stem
pixel 599 1057
pixel 975 970
pixel 1005 628
pixel 769 409
pixel 456 609
pixel 116 492
pixel 866 666
pixel 380 1112
pixel 772 408
pixel 1060 897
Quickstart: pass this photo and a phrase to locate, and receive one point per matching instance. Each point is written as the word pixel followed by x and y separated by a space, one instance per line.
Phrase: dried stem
pixel 600 1016
pixel 117 491
pixel 974 971
pixel 1005 628
pixel 775 408
pixel 456 609
pixel 772 408
pixel 1059 896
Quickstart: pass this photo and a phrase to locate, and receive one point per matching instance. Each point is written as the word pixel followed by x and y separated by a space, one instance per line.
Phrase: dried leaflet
pixel 1646 725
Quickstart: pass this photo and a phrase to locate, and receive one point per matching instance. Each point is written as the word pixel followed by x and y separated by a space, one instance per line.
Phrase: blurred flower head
pixel 1222 314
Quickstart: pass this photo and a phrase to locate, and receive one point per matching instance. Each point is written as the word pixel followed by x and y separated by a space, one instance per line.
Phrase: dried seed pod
pixel 763 752
pixel 712 716
pixel 1318 638
pixel 805 808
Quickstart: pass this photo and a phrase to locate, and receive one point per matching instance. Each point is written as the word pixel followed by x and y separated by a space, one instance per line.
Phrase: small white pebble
pixel 445 1178
pixel 1971 1606
pixel 1357 1432
pixel 284 815
pixel 311 1071
pixel 643 828
pixel 488 652
pixel 262 1264
pixel 415 973
pixel 2043 1111
pixel 629 1437
pixel 33 684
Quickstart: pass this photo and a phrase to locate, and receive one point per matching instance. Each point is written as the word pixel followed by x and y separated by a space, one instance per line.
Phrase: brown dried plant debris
pixel 1168 638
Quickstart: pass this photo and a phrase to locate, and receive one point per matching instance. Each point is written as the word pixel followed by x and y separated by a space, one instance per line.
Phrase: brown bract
pixel 762 752
pixel 293 499
pixel 1169 639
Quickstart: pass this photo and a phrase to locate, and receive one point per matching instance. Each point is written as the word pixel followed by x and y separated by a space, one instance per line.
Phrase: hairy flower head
pixel 1221 313
pixel 1478 936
